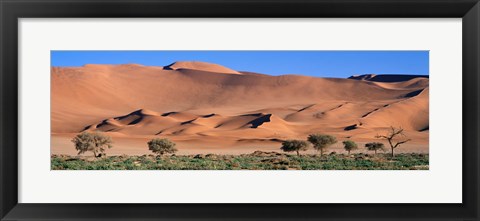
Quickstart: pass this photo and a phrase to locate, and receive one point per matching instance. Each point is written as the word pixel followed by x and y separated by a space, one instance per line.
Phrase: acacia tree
pixel 375 146
pixel 294 145
pixel 161 146
pixel 321 141
pixel 393 137
pixel 94 142
pixel 349 145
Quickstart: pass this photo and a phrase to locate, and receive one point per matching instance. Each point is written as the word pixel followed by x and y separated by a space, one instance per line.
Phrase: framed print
pixel 239 110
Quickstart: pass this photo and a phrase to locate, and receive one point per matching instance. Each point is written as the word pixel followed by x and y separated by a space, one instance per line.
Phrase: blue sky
pixel 313 63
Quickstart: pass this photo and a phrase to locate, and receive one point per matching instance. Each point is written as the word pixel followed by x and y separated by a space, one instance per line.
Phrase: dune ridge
pixel 208 104
pixel 200 66
pixel 386 77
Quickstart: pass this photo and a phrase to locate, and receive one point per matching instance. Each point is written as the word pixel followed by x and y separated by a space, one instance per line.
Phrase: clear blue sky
pixel 313 63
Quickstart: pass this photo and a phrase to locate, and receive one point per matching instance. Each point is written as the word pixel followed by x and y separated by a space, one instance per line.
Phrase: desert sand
pixel 208 108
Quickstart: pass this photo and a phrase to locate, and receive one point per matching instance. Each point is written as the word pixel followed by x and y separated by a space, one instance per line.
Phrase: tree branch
pixel 401 142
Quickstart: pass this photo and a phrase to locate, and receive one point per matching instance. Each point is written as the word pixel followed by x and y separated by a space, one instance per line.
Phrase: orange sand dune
pixel 210 108
pixel 200 66
pixel 415 83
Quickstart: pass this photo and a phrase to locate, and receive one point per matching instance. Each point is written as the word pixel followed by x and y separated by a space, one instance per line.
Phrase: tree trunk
pixel 391 145
pixel 298 153
pixel 321 152
pixel 349 152
pixel 375 152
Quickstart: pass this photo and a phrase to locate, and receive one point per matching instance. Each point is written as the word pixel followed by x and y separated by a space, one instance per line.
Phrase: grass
pixel 255 161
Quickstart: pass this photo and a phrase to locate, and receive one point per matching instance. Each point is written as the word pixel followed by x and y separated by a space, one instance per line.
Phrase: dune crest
pixel 200 66
pixel 386 77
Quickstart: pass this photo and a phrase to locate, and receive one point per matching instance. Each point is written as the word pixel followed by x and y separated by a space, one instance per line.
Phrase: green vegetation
pixel 161 146
pixel 375 146
pixel 321 141
pixel 94 142
pixel 255 161
pixel 294 145
pixel 349 145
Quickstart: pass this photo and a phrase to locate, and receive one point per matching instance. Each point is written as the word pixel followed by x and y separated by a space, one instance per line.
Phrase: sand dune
pixel 201 105
pixel 200 66
pixel 411 113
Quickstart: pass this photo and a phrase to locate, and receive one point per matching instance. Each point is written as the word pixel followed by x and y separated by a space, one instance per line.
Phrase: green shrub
pixel 161 146
pixel 375 146
pixel 294 145
pixel 349 145
pixel 94 142
pixel 321 141
pixel 404 161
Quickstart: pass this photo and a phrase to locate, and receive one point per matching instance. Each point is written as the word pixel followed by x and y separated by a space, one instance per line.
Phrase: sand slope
pixel 200 104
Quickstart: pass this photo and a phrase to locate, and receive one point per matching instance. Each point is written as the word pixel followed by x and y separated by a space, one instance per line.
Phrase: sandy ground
pixel 207 108
pixel 61 144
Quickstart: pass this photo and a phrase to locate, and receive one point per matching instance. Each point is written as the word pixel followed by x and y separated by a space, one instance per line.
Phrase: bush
pixel 321 141
pixel 404 161
pixel 161 146
pixel 294 145
pixel 349 145
pixel 94 142
pixel 375 146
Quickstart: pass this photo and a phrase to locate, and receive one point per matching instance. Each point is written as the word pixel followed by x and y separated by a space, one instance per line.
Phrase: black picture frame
pixel 12 10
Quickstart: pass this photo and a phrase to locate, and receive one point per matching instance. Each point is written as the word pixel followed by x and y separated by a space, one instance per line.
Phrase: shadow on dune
pixel 259 121
pixel 387 77
pixel 412 94
pixel 427 128
pixel 208 115
pixel 351 127
pixel 168 113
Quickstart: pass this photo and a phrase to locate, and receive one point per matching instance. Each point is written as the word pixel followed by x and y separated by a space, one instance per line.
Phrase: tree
pixel 161 146
pixel 321 141
pixel 349 145
pixel 393 137
pixel 375 146
pixel 294 145
pixel 94 142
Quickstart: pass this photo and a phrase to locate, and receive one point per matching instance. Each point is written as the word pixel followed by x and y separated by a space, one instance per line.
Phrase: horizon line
pixel 300 74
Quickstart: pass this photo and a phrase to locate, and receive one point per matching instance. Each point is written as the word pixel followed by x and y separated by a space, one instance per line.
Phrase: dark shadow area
pixel 168 113
pixel 387 77
pixel 412 94
pixel 259 121
pixel 351 127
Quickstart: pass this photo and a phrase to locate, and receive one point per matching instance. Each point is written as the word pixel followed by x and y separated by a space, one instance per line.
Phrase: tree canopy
pixel 161 146
pixel 349 145
pixel 94 142
pixel 321 141
pixel 294 145
pixel 375 146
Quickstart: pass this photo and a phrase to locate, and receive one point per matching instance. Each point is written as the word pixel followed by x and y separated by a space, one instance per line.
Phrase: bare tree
pixel 393 137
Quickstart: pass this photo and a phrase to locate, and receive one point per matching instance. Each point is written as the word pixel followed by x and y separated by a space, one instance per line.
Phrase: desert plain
pixel 207 108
